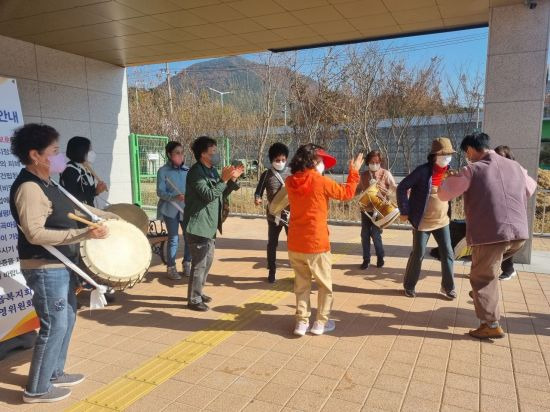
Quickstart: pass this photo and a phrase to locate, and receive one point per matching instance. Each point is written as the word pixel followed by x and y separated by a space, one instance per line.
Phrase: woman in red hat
pixel 308 243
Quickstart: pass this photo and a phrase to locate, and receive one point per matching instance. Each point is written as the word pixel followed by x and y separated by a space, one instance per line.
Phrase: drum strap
pixel 95 218
pixel 97 297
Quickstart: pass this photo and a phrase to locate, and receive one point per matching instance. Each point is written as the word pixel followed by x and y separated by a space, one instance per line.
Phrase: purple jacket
pixel 419 181
pixel 495 190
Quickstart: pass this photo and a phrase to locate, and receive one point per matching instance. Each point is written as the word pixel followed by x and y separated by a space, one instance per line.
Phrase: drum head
pixel 121 259
pixel 132 214
pixel 279 202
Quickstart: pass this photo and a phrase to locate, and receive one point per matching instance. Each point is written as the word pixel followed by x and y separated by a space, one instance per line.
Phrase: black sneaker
pixel 380 262
pixel 271 277
pixel 54 395
pixel 410 293
pixel 507 276
pixel 364 265
pixel 206 299
pixel 451 295
pixel 198 307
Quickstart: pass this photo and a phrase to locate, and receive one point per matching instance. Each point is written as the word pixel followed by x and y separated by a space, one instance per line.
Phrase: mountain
pixel 235 74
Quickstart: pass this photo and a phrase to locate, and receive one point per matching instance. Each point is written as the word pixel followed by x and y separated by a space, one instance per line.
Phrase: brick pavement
pixel 388 352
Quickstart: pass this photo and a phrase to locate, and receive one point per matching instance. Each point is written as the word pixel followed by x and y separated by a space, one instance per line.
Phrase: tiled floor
pixel 388 352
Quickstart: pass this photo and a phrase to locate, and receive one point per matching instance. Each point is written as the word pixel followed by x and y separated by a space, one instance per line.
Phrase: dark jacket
pixel 271 185
pixel 419 181
pixel 79 183
pixel 204 196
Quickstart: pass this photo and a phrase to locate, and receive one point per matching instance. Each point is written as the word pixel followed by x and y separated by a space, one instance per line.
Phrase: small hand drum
pixel 119 261
pixel 377 206
pixel 279 202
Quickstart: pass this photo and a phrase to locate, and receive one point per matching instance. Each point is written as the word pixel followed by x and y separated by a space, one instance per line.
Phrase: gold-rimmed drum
pixel 377 206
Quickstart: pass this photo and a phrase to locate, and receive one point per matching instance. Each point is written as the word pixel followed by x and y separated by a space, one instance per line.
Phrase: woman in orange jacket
pixel 308 235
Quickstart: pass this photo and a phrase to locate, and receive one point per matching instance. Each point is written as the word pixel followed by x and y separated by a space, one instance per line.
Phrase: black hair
pixel 505 151
pixel 477 141
pixel 201 144
pixel 305 158
pixel 170 146
pixel 77 148
pixel 431 158
pixel 277 149
pixel 32 136
pixel 372 154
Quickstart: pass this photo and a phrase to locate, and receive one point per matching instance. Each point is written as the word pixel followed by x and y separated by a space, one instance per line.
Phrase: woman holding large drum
pixel 383 179
pixel 41 211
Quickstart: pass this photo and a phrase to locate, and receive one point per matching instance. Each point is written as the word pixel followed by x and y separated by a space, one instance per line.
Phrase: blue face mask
pixel 215 159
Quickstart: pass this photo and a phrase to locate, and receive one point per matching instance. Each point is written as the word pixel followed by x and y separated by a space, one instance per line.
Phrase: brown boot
pixel 485 332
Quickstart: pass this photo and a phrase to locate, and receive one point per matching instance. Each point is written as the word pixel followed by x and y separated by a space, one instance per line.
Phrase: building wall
pixel 77 96
pixel 516 83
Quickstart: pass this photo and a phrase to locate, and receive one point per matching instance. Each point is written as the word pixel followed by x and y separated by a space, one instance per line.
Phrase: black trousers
pixel 273 232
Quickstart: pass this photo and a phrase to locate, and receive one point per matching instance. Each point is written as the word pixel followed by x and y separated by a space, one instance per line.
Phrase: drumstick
pixel 82 220
pixel 173 186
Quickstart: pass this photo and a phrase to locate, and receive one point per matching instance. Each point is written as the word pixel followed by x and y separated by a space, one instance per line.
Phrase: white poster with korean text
pixel 17 315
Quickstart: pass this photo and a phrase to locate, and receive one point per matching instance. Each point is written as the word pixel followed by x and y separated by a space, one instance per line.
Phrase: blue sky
pixel 459 50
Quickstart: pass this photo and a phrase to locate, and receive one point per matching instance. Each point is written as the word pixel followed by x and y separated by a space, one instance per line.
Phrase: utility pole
pixel 284 111
pixel 169 88
pixel 137 94
pixel 221 94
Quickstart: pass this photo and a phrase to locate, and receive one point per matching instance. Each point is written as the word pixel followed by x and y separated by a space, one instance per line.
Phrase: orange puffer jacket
pixel 308 194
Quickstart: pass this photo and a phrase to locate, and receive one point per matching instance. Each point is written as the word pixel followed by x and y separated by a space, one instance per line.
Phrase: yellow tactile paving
pixel 134 385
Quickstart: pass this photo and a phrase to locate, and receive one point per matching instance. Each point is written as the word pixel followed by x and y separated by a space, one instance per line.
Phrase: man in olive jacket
pixel 204 197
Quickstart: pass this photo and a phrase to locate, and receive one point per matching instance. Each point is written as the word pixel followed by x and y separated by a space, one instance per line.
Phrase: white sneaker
pixel 320 328
pixel 173 273
pixel 301 328
pixel 187 268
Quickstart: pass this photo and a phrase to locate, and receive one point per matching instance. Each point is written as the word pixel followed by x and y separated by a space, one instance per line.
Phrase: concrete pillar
pixel 515 85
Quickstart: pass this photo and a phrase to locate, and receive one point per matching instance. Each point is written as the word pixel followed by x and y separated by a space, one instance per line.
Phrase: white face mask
pixel 373 167
pixel 91 156
pixel 320 167
pixel 278 165
pixel 443 161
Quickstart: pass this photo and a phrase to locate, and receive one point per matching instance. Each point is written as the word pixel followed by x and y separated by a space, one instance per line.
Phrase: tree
pixel 363 77
pixel 409 96
pixel 462 106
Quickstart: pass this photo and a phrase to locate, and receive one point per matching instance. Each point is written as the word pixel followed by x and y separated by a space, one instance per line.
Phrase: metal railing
pixel 242 204
pixel 541 225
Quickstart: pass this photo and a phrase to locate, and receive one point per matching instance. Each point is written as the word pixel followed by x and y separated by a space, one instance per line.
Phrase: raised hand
pixel 227 173
pixel 237 172
pixel 357 162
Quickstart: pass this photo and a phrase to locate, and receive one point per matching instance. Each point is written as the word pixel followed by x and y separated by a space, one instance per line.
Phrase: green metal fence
pixel 146 156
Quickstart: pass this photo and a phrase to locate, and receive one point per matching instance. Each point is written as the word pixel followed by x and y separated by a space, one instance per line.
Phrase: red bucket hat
pixel 328 160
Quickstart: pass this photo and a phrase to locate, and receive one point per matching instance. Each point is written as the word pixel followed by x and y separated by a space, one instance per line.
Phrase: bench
pixel 158 236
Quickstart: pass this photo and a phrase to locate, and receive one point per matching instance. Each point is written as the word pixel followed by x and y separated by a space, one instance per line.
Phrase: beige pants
pixel 306 267
pixel 486 261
